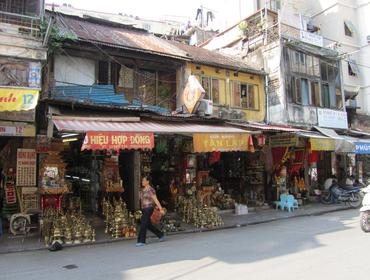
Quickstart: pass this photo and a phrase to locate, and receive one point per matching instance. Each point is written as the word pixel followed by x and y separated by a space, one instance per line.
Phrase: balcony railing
pixel 20 24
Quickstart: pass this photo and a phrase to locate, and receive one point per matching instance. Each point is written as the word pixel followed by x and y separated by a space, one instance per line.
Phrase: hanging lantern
pixel 261 140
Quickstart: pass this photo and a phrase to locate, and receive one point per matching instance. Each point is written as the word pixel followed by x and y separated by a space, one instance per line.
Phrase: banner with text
pixel 222 142
pixel 16 99
pixel 118 141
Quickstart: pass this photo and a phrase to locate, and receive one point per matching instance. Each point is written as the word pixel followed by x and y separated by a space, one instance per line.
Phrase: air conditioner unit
pixel 206 107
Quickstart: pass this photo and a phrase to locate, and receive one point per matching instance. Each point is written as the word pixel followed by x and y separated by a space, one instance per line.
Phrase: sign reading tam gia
pixel 221 142
pixel 117 141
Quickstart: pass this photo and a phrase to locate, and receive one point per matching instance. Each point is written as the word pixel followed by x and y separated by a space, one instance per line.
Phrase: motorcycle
pixel 365 211
pixel 352 196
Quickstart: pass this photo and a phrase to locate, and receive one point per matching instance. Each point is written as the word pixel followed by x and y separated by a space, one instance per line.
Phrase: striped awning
pixel 157 127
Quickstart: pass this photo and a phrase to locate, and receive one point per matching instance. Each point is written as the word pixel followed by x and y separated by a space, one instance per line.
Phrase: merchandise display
pixel 52 172
pixel 111 180
pixel 193 212
pixel 66 227
pixel 119 222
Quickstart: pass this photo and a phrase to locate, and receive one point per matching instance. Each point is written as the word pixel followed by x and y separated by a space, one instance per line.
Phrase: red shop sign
pixel 118 140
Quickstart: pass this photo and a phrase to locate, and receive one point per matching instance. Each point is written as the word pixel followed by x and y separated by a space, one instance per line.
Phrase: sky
pixel 226 12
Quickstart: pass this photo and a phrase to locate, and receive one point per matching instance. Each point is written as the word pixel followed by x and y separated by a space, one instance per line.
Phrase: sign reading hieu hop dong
pixel 18 99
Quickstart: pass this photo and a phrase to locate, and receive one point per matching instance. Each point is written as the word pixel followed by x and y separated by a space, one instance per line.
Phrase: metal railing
pixel 20 24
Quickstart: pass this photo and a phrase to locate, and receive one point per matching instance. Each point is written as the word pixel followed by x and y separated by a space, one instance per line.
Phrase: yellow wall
pixel 257 115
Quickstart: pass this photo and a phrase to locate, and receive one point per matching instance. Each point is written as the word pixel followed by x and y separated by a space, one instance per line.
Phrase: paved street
pixel 330 246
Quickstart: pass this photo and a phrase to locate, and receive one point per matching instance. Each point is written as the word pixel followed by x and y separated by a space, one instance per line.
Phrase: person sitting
pixel 329 182
pixel 349 181
pixel 335 191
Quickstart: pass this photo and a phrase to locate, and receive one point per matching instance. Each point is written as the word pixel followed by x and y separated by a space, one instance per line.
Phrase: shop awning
pixel 157 127
pixel 318 142
pixel 131 135
pixel 343 144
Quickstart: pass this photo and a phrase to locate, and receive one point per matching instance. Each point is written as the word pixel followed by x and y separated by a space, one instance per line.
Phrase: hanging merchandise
pixel 26 167
pixel 110 179
pixel 214 157
pixel 10 191
pixel 161 145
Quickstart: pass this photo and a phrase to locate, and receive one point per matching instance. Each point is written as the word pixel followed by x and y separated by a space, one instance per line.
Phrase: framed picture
pixel 191 161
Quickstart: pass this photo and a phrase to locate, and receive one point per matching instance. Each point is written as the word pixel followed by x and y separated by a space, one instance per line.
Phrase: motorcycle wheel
pixel 326 198
pixel 355 200
pixel 365 221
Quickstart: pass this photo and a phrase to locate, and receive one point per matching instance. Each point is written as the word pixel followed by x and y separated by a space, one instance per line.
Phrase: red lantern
pixel 261 140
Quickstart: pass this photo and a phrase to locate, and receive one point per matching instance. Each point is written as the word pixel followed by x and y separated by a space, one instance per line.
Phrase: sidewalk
pixel 9 243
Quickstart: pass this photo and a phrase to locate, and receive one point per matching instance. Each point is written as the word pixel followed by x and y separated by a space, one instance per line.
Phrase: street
pixel 317 247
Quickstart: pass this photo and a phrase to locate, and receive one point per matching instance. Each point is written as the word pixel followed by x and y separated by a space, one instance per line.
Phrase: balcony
pixel 18 24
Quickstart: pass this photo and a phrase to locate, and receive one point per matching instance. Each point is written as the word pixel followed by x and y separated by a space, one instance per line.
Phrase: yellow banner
pixel 322 144
pixel 222 142
pixel 15 99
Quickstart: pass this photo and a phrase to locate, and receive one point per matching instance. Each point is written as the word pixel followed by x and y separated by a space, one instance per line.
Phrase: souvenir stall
pixel 19 199
pixel 289 153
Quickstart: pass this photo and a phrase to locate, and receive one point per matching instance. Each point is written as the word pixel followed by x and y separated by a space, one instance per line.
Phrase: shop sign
pixel 15 99
pixel 311 38
pixel 332 118
pixel 192 93
pixel 118 140
pixel 362 148
pixel 43 144
pixel 221 142
pixel 17 130
pixel 26 167
pixel 322 144
pixel 10 194
pixel 283 140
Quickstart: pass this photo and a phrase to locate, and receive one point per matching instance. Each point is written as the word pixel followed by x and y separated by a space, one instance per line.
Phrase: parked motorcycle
pixel 351 196
pixel 365 211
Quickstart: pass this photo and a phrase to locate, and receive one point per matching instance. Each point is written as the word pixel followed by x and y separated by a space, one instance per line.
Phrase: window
pixel 349 28
pixel 315 93
pixel 297 91
pixel 325 95
pixel 103 73
pixel 215 89
pixel 352 68
pixel 324 72
pixel 205 84
pixel 252 92
pixel 235 94
pixel 304 63
pixel 274 5
pixel 305 92
pixel 244 95
pixel 147 86
pixel 330 85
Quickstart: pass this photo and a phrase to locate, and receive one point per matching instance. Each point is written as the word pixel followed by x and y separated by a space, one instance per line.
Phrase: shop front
pixel 95 167
pixel 18 192
pixel 302 161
